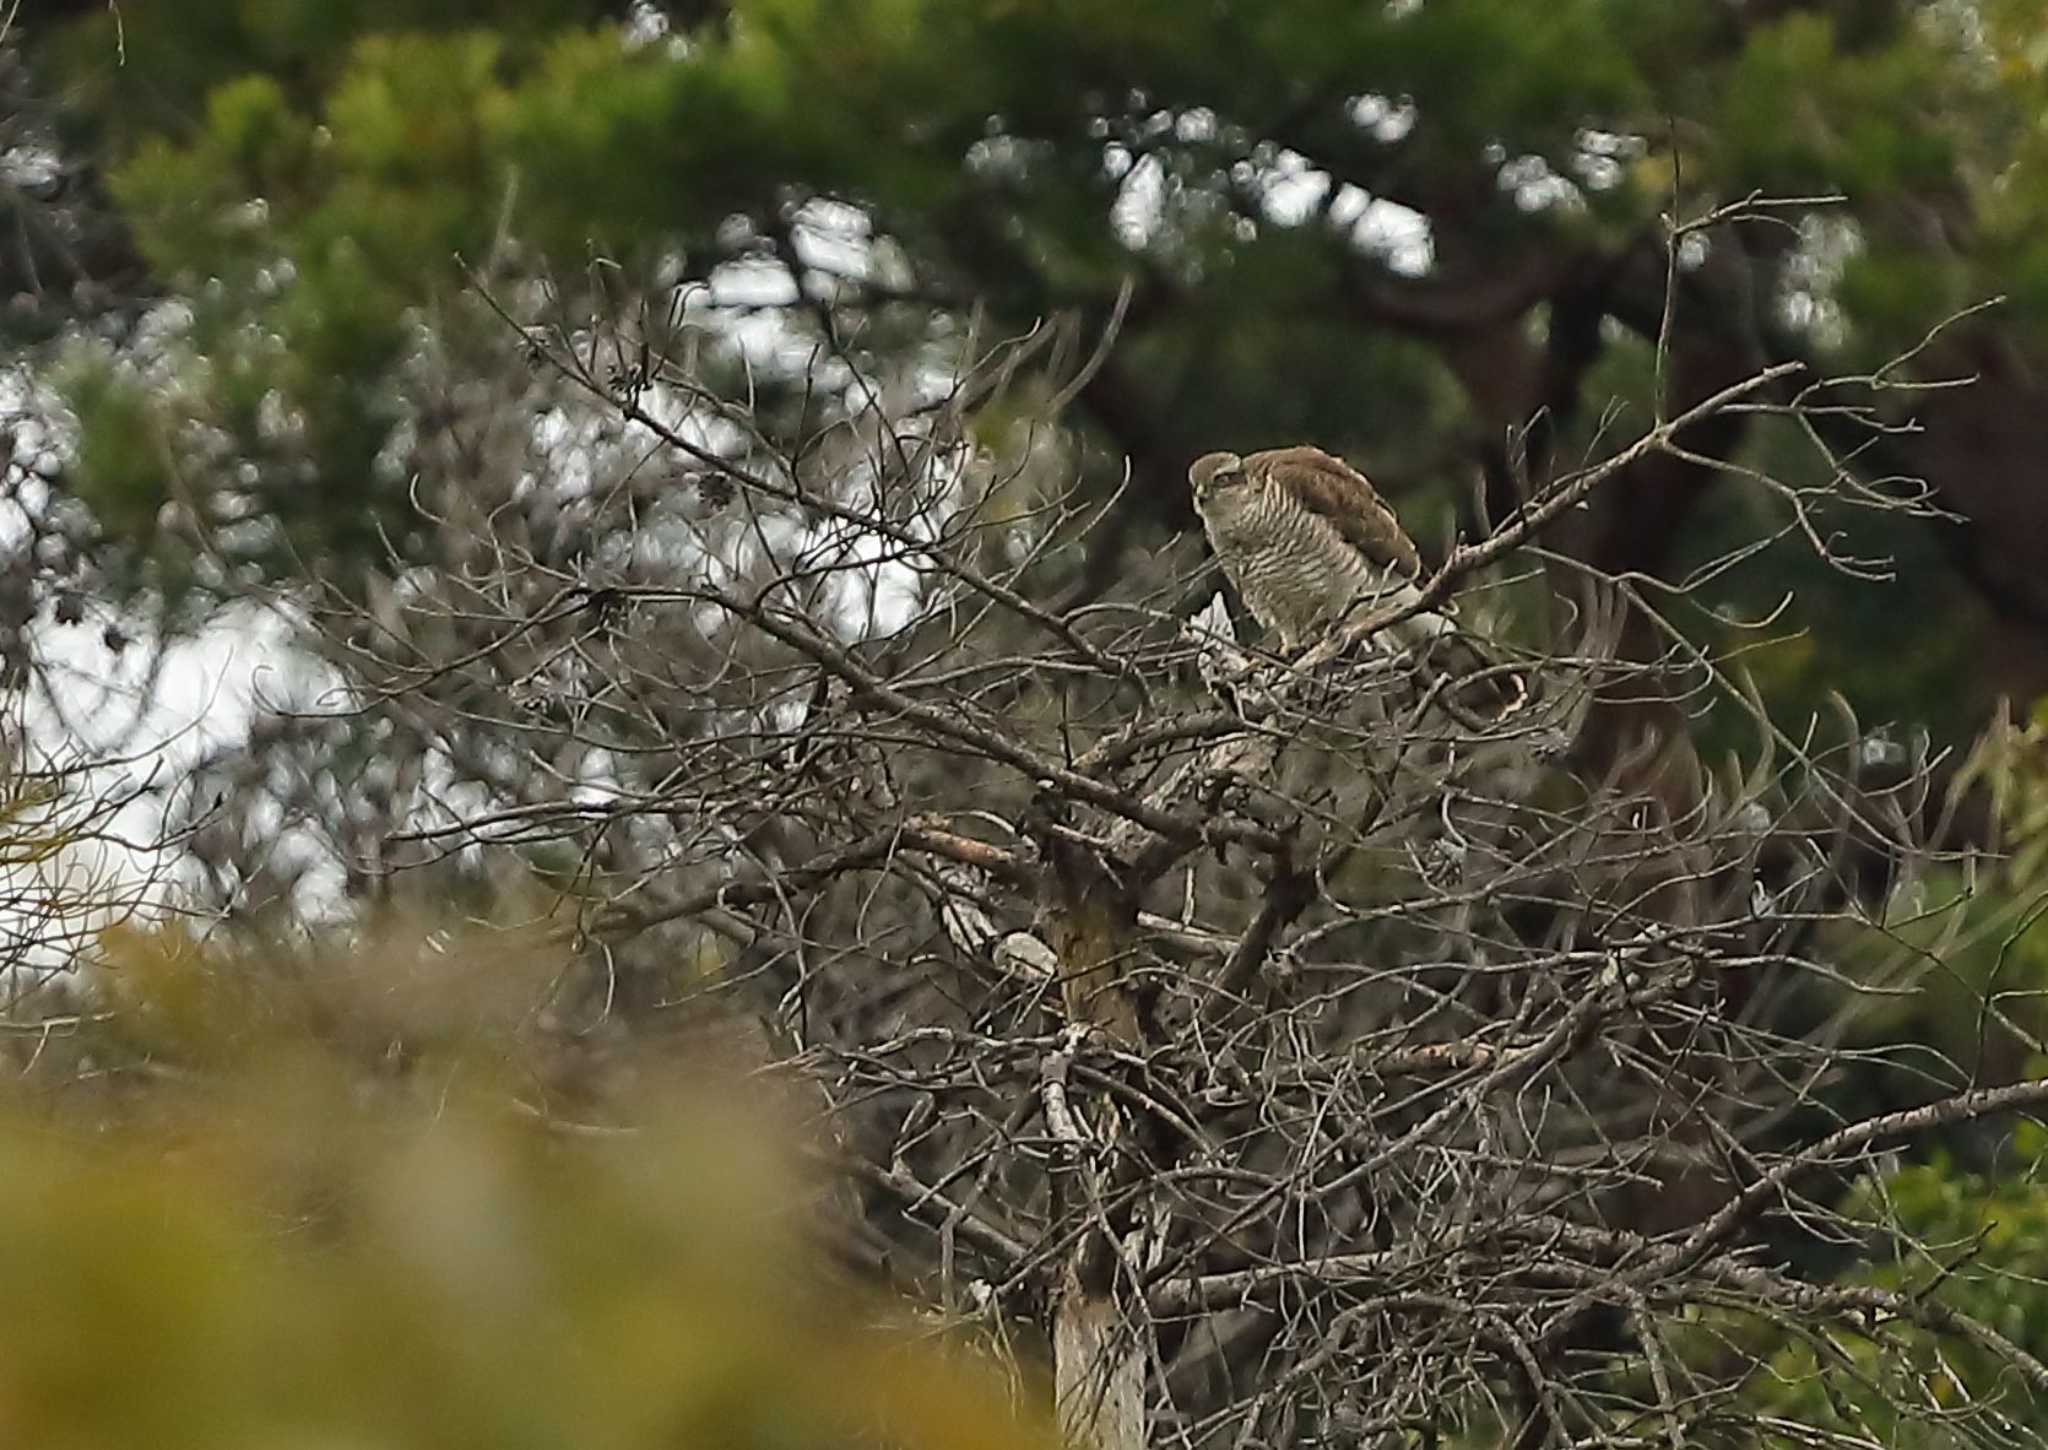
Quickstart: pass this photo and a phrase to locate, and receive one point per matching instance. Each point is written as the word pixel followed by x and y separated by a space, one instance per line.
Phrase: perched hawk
pixel 1309 543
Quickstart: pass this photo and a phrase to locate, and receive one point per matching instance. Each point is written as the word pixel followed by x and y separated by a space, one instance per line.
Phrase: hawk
pixel 1309 543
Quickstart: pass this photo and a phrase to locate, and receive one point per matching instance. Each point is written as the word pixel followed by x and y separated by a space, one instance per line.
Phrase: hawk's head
pixel 1213 472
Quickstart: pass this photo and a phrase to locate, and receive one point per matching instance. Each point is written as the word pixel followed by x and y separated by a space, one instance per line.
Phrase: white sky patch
pixel 1389 119
pixel 137 737
pixel 1140 204
pixel 878 595
pixel 597 780
pixel 1828 242
pixel 645 24
pixel 1536 186
pixel 1603 157
pixel 1293 189
pixel 1349 205
pixel 1397 235
pixel 1000 156
pixel 29 165
pixel 752 284
pixel 743 308
pixel 835 238
pixel 894 598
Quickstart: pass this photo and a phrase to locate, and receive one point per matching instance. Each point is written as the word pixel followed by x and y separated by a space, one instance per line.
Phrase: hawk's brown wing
pixel 1333 488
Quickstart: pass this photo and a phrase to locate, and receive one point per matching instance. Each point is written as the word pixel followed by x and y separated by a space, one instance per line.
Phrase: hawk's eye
pixel 1230 478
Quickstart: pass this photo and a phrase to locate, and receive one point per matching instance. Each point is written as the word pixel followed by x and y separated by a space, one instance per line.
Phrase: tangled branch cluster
pixel 1304 1060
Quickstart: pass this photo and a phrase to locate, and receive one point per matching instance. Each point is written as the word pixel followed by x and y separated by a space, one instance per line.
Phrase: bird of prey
pixel 1310 544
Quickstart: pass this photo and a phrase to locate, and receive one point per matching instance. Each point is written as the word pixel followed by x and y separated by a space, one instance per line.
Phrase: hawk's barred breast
pixel 1310 545
pixel 1295 573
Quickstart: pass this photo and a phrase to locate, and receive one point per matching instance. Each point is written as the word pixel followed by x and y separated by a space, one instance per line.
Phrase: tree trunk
pixel 1098 1344
pixel 1098 1366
